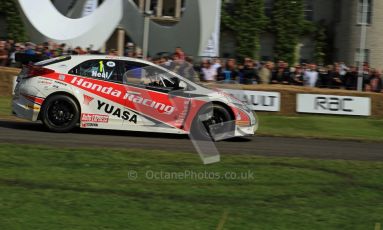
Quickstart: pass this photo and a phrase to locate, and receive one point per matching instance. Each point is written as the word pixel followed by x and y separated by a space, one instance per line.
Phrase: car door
pixel 100 90
pixel 149 91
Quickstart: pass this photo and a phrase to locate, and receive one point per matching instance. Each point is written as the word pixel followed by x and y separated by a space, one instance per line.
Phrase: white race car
pixel 119 93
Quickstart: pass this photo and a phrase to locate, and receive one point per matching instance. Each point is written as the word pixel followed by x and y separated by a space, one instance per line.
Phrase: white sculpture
pixel 192 33
pixel 45 22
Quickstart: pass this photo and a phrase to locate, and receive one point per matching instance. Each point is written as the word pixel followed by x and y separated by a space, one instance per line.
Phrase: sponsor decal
pixel 112 57
pixel 60 83
pixel 117 112
pixel 87 99
pixel 180 119
pixel 85 125
pixel 96 118
pixel 45 82
pixel 100 71
pixel 62 77
pixel 96 87
pixel 167 109
pixel 105 75
pixel 111 64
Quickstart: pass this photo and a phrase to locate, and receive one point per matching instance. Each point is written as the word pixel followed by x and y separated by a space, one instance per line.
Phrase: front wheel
pixel 212 122
pixel 60 113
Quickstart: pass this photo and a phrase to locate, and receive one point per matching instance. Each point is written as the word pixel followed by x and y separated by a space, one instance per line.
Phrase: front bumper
pixel 245 131
pixel 238 128
pixel 248 127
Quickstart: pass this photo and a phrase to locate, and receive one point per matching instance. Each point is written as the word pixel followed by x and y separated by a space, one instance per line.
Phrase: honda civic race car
pixel 120 93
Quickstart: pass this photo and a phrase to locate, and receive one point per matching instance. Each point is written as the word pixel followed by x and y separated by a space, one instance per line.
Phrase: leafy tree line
pixel 247 19
pixel 15 27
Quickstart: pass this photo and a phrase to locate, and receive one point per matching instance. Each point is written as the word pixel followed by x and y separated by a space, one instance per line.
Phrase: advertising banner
pixel 258 100
pixel 333 104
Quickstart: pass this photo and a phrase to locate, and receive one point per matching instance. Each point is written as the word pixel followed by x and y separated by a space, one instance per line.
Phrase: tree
pixel 247 20
pixel 15 26
pixel 323 43
pixel 288 24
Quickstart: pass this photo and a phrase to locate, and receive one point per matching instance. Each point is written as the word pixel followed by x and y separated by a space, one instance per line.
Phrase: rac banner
pixel 333 104
pixel 258 100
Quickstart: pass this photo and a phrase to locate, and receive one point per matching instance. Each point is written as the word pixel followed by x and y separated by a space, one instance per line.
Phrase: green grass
pixel 5 106
pixel 322 126
pixel 47 188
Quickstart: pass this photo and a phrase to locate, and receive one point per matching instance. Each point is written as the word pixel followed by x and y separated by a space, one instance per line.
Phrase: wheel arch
pixel 227 107
pixel 60 93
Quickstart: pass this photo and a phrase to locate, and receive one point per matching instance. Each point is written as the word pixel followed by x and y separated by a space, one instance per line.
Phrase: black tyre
pixel 212 122
pixel 60 113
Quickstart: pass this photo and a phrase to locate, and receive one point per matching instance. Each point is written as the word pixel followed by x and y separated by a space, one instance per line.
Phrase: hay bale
pixel 6 80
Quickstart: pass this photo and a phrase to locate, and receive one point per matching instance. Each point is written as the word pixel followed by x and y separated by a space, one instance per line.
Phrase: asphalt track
pixel 16 132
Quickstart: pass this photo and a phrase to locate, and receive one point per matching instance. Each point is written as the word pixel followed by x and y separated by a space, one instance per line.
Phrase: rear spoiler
pixel 26 59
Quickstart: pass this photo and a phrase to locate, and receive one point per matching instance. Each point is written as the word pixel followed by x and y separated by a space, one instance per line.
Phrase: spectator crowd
pixel 210 70
pixel 335 76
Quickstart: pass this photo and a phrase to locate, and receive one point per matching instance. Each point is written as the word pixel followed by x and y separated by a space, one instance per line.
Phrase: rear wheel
pixel 60 113
pixel 212 122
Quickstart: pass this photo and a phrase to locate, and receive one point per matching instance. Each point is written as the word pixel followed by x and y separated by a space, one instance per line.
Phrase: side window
pixel 151 77
pixel 99 69
pixel 133 72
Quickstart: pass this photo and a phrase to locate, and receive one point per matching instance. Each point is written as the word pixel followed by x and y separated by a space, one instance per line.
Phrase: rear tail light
pixel 34 71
